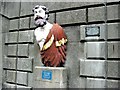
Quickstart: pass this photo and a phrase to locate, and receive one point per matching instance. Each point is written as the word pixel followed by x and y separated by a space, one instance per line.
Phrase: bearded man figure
pixel 51 38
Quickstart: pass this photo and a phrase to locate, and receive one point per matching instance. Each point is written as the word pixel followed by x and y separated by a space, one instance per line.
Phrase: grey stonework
pixel 12 37
pixel 9 63
pixel 86 62
pixel 113 49
pixel 22 77
pixel 23 50
pixel 95 83
pixel 14 24
pixel 92 68
pixel 25 64
pixel 24 23
pixel 96 14
pixel 26 36
pixel 113 68
pixel 113 83
pixel 113 12
pixel 74 16
pixel 11 50
pixel 113 30
pixel 11 75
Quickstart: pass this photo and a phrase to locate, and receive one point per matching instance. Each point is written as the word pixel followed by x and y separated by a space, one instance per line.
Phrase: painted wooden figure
pixel 51 38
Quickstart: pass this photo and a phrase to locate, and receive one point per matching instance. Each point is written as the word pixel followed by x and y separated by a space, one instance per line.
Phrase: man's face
pixel 39 16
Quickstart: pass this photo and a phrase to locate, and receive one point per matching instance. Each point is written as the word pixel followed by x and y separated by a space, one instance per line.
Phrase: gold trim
pixel 61 42
pixel 49 43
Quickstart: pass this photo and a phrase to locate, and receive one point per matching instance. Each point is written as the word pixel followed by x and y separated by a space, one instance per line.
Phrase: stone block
pixel 95 50
pixel 114 69
pixel 8 86
pixel 26 36
pixel 19 87
pixel 11 9
pixel 5 24
pixel 12 49
pixel 113 12
pixel 51 5
pixel 92 32
pixel 11 76
pixel 113 49
pixel 73 64
pixel 113 84
pixel 96 14
pixel 32 25
pixel 69 4
pixel 51 18
pixel 59 74
pixel 95 83
pixel 82 83
pixel 74 16
pixel 5 38
pixel 40 84
pixel 24 23
pixel 27 10
pixel 72 33
pixel 14 24
pixel 31 79
pixel 4 76
pixel 10 63
pixel 25 64
pixel 113 30
pixel 50 77
pixel 23 50
pixel 94 68
pixel 12 37
pixel 32 51
pixel 22 78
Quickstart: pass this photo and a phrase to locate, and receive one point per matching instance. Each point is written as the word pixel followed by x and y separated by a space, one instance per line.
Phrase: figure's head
pixel 41 14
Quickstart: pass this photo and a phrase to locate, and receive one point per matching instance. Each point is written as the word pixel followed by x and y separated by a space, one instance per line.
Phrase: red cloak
pixel 53 53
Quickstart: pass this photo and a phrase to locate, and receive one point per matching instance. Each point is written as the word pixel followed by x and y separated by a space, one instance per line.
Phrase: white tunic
pixel 41 34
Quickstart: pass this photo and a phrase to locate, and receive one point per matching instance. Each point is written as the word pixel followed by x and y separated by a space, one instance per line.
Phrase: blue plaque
pixel 47 74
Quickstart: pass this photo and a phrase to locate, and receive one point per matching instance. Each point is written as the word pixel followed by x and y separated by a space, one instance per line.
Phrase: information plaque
pixel 92 31
pixel 46 74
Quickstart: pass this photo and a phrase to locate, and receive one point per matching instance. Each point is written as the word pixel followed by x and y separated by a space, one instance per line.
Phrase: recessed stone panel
pixel 22 78
pixel 114 49
pixel 114 69
pixel 11 75
pixel 113 12
pixel 113 30
pixel 25 64
pixel 95 50
pixel 14 24
pixel 12 49
pixel 95 83
pixel 23 50
pixel 9 63
pixel 94 68
pixel 26 36
pixel 24 23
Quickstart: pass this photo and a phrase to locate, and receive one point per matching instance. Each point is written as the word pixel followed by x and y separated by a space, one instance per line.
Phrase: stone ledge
pixel 51 76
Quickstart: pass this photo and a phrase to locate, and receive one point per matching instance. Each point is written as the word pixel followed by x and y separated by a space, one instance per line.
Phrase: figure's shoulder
pixel 36 30
pixel 57 26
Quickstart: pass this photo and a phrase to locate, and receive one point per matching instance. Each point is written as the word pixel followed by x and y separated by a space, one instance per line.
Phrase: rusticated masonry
pixel 92 62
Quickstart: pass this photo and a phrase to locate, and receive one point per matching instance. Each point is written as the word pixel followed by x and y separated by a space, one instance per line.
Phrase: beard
pixel 40 22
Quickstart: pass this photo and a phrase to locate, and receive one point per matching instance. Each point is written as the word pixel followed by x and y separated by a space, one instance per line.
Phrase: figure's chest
pixel 41 34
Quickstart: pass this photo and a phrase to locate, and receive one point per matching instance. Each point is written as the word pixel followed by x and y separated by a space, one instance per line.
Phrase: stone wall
pixel 85 70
